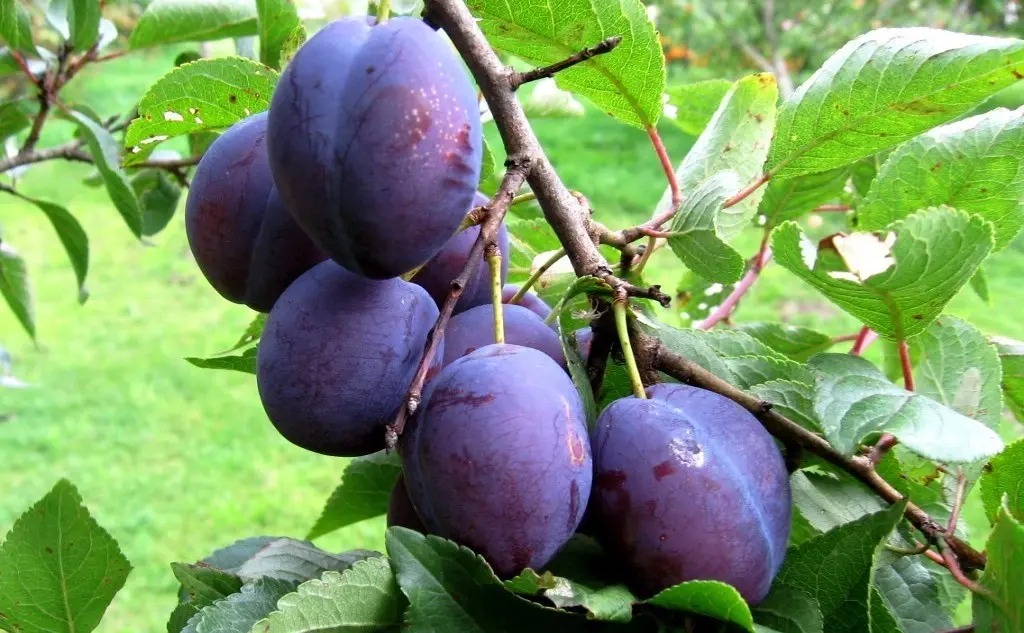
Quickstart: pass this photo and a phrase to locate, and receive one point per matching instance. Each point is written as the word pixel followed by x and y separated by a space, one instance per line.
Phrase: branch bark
pixel 604 46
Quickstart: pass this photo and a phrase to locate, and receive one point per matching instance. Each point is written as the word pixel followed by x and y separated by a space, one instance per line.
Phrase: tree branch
pixel 517 79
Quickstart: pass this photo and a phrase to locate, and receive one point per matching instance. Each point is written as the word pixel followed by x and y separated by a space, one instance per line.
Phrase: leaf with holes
pixel 627 83
pixel 707 597
pixel 363 493
pixel 789 198
pixel 691 106
pixel 694 234
pixel 169 21
pixel 976 164
pixel 954 364
pixel 736 139
pixel 202 95
pixel 364 597
pixel 277 19
pixel 897 285
pixel 886 87
pixel 59 569
pixel 853 401
pixel 14 287
pixel 835 569
pixel 106 154
pixel 1003 608
pixel 1004 475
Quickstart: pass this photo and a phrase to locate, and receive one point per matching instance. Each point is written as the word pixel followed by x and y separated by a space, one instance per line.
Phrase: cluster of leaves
pixel 881 128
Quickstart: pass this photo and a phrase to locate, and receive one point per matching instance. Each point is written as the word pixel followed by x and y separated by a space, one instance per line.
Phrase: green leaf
pixel 828 500
pixel 707 597
pixel 244 362
pixel 450 588
pixel 203 585
pixel 853 400
pixel 627 83
pixel 976 164
pixel 15 116
pixel 72 236
pixel 59 569
pixel 277 19
pixel 169 21
pixel 232 557
pixel 789 198
pixel 979 284
pixel 78 21
pixel 106 154
pixel 547 100
pixel 296 561
pixel 897 289
pixel 1004 610
pixel 364 597
pixel 791 399
pixel 955 365
pixel 1004 475
pixel 695 236
pixel 489 180
pixel 691 106
pixel 15 26
pixel 202 95
pixel 883 88
pixel 789 610
pixel 528 240
pixel 576 364
pixel 363 493
pixel 737 139
pixel 14 287
pixel 252 333
pixel 1011 356
pixel 835 569
pixel 293 43
pixel 239 612
pixel 158 197
pixel 793 341
pixel 911 593
pixel 581 286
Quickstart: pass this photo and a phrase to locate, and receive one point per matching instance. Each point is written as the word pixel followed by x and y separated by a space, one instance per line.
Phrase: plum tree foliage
pixel 557 445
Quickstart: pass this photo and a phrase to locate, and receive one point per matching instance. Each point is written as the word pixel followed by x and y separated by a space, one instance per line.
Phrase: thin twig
pixel 865 337
pixel 905 365
pixel 746 191
pixel 826 208
pixel 496 209
pixel 881 447
pixel 722 312
pixel 958 501
pixel 953 565
pixel 607 45
pixel 919 548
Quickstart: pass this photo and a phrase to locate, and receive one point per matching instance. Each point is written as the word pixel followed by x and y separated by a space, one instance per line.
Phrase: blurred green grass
pixel 175 461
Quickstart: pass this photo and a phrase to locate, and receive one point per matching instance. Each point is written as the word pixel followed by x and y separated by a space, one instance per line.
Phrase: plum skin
pixel 437 275
pixel 497 457
pixel 401 512
pixel 243 239
pixel 375 143
pixel 689 486
pixel 530 301
pixel 474 329
pixel 337 356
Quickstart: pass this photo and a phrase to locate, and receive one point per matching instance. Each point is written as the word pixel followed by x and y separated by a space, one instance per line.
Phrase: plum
pixel 497 457
pixel 473 329
pixel 337 356
pixel 530 301
pixel 400 510
pixel 689 486
pixel 437 275
pixel 375 143
pixel 244 240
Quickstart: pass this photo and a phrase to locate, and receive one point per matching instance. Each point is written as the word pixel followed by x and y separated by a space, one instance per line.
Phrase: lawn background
pixel 175 461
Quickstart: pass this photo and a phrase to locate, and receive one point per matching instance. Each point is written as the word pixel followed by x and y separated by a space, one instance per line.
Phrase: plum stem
pixel 494 266
pixel 619 307
pixel 383 11
pixel 537 274
pixel 606 45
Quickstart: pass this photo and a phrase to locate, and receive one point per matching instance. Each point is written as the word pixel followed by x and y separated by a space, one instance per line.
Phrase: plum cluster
pixel 358 178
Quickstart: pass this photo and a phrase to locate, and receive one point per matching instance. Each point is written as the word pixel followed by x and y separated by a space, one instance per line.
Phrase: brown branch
pixel 514 178
pixel 607 45
pixel 69 151
pixel 788 431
